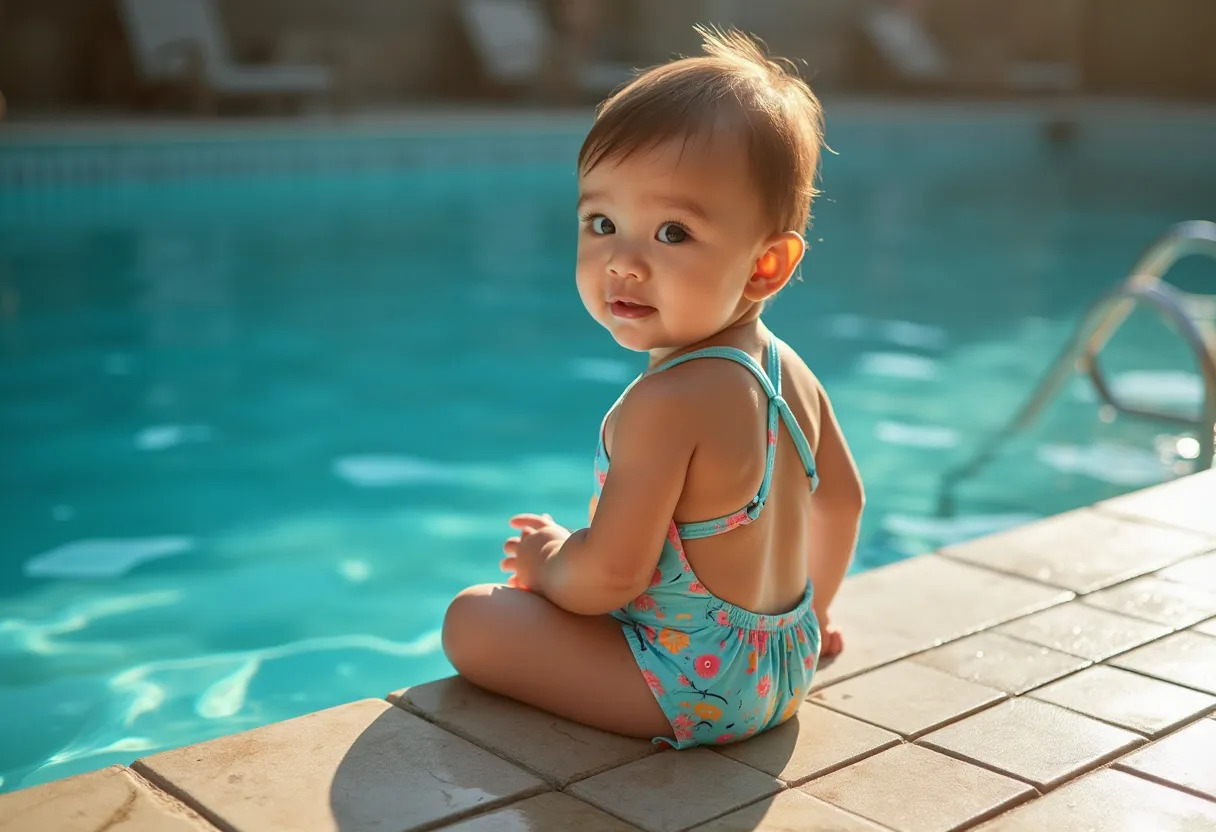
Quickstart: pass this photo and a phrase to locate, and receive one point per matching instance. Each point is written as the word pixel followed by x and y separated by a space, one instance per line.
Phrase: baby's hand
pixel 539 537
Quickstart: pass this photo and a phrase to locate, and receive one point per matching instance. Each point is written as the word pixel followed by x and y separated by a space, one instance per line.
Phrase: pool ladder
pixel 1143 287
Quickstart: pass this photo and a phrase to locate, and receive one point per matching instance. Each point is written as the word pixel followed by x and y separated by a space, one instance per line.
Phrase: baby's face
pixel 667 241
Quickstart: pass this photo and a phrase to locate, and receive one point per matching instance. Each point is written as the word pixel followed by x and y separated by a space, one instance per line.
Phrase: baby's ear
pixel 782 254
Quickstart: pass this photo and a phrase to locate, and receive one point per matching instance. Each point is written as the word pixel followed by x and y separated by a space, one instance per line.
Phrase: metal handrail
pixel 1145 285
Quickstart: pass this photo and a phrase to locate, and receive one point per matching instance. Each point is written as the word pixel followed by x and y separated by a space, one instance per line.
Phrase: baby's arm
pixel 835 511
pixel 605 566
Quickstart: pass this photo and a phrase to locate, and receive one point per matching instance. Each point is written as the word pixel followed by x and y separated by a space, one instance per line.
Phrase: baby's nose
pixel 626 264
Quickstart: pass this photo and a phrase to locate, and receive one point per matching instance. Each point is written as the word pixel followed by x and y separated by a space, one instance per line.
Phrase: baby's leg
pixel 580 667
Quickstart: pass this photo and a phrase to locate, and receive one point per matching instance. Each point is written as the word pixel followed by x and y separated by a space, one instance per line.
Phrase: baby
pixel 694 185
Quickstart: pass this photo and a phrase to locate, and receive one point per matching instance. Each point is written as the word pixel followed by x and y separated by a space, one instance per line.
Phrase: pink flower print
pixel 683 725
pixel 644 602
pixel 601 476
pixel 725 737
pixel 684 561
pixel 707 665
pixel 723 619
pixel 763 621
pixel 737 520
pixel 653 681
pixel 809 662
pixel 656 578
pixel 772 437
pixel 721 645
pixel 673 536
pixel 650 632
pixel 683 680
pixel 698 587
pixel 764 685
pixel 759 640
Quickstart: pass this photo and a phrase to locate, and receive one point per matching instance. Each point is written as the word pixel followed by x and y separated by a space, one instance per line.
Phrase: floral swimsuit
pixel 719 672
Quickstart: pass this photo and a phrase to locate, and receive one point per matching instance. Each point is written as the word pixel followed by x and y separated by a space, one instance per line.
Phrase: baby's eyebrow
pixel 690 206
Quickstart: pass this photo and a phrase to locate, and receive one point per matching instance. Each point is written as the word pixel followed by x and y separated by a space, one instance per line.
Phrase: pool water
pixel 256 430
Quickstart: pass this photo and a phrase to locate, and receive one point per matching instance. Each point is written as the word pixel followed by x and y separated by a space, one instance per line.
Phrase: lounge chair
pixel 183 42
pixel 515 43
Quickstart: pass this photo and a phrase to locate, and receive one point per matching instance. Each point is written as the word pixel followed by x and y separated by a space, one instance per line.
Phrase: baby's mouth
pixel 628 309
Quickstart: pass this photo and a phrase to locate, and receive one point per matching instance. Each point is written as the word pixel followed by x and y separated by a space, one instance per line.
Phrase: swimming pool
pixel 266 402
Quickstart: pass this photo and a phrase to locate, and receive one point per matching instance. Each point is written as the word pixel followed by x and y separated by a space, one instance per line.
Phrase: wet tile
pixel 1187 658
pixel 1001 662
pixel 1185 503
pixel 1083 631
pixel 560 750
pixel 1110 800
pixel 1200 572
pixel 817 740
pixel 914 789
pixel 913 605
pixel 545 811
pixel 1186 759
pixel 1208 628
pixel 790 811
pixel 907 698
pixel 1043 744
pixel 675 789
pixel 349 768
pixel 1155 599
pixel 112 799
pixel 1127 699
pixel 1082 550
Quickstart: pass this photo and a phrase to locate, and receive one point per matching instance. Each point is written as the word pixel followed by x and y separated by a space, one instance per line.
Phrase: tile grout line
pixel 166 795
pixel 180 795
pixel 1160 781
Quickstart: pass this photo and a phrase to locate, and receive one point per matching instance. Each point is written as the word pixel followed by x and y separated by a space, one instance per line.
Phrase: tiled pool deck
pixel 1061 675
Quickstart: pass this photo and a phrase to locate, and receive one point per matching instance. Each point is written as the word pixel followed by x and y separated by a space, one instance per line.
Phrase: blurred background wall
pixel 74 55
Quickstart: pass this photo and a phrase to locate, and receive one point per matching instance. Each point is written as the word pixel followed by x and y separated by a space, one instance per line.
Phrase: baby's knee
pixel 465 624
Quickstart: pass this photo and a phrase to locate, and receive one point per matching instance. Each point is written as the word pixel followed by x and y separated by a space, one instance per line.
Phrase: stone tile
pixel 1110 800
pixel 914 789
pixel 1001 662
pixel 1041 743
pixel 560 750
pixel 814 742
pixel 908 698
pixel 1186 759
pixel 1200 572
pixel 1187 658
pixel 910 606
pixel 1154 599
pixel 112 799
pixel 1207 627
pixel 1083 631
pixel 675 789
pixel 790 811
pixel 1185 503
pixel 347 768
pixel 545 811
pixel 1130 700
pixel 1081 550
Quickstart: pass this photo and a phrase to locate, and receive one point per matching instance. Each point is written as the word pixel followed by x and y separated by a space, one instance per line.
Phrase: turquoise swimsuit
pixel 719 672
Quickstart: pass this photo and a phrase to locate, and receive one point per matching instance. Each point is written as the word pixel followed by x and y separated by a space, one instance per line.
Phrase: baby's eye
pixel 602 225
pixel 670 232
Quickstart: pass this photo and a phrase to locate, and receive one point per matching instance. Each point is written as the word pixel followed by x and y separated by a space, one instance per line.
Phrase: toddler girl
pixel 694 185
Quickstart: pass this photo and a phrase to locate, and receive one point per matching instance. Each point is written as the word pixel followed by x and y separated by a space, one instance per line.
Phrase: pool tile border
pixel 446 753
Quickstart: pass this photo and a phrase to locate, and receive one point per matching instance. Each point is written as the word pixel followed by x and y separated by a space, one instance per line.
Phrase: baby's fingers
pixel 530 521
pixel 507 564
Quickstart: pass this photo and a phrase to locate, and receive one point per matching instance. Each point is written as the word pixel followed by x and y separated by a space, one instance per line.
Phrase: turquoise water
pixel 256 430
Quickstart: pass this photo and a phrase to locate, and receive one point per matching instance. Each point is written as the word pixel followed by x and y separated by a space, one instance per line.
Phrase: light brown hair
pixel 735 85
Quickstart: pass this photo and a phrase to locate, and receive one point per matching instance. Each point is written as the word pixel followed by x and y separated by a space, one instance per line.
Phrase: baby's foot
pixel 833 643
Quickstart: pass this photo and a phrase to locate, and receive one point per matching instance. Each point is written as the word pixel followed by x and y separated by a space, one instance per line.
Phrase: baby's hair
pixel 735 86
